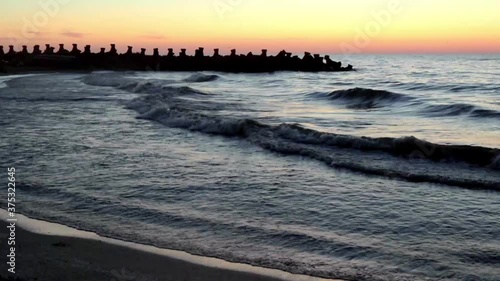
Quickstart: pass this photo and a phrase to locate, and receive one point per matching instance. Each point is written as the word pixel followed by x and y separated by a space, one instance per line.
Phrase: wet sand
pixel 53 252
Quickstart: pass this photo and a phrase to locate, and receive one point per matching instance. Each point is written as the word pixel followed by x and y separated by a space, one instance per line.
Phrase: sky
pixel 318 26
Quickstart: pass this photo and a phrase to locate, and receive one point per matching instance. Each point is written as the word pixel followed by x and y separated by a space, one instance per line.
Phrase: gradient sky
pixel 326 26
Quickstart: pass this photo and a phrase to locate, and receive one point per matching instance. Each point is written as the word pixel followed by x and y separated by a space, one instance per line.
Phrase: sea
pixel 390 172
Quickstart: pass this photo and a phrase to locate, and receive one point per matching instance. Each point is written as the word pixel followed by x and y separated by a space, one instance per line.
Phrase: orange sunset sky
pixel 326 26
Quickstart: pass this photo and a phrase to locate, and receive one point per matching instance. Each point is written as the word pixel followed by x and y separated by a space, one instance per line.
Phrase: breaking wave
pixel 405 158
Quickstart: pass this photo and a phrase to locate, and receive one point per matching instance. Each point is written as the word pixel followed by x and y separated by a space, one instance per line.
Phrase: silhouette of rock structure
pixel 75 51
pixel 62 51
pixel 36 50
pixel 112 60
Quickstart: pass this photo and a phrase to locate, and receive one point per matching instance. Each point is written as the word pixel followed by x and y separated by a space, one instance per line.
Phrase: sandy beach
pixel 53 252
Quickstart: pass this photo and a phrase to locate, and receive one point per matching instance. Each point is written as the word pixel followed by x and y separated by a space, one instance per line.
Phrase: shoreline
pixel 52 251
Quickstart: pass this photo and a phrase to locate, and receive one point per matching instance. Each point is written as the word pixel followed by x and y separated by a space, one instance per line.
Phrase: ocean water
pixel 391 172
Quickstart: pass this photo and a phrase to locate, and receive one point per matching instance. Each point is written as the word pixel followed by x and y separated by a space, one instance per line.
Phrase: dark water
pixel 387 173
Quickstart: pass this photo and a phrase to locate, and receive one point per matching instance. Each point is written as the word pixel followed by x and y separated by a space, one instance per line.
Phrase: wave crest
pixel 341 151
pixel 405 146
pixel 200 77
pixel 361 98
pixel 444 110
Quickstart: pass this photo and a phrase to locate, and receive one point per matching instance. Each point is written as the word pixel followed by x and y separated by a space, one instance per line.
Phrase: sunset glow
pixel 326 26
